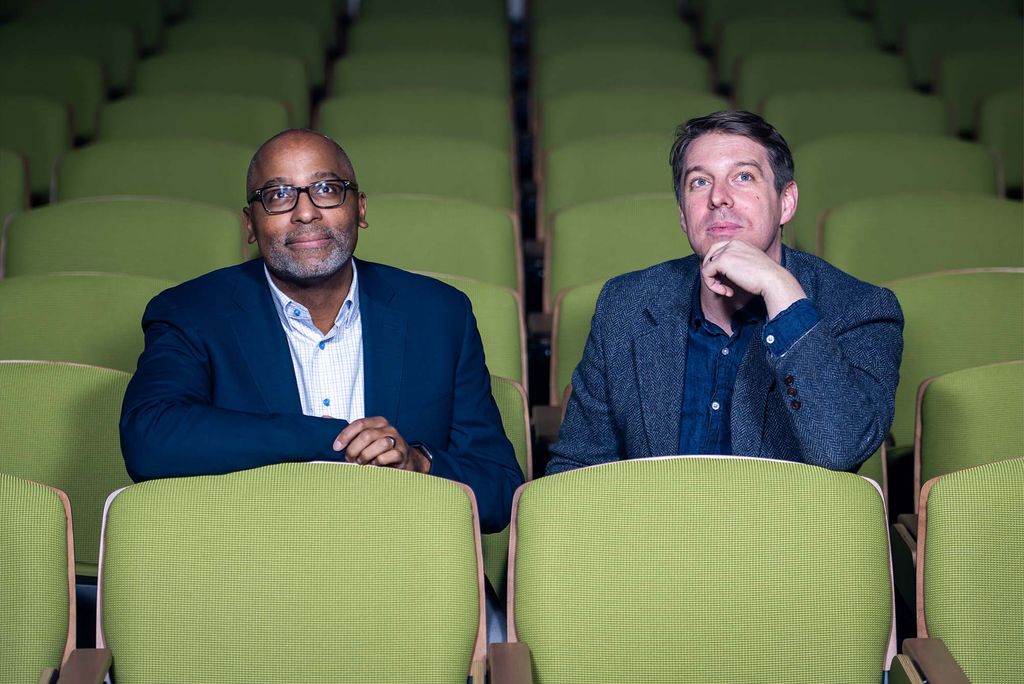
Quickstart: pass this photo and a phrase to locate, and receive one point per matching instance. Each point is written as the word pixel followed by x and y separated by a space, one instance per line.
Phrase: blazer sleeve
pixel 170 426
pixel 478 453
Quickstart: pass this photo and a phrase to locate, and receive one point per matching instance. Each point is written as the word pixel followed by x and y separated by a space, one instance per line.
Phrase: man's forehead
pixel 321 156
pixel 725 148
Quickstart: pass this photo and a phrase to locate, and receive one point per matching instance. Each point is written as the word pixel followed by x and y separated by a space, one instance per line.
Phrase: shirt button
pixel 791 391
pixel 725 351
pixel 788 379
pixel 715 406
pixel 795 404
pixel 322 345
pixel 327 402
pixel 296 312
pixel 770 339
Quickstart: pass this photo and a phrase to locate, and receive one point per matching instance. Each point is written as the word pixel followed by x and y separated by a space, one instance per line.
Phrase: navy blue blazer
pixel 215 390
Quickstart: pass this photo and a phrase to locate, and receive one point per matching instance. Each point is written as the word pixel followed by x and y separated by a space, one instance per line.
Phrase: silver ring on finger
pixel 393 442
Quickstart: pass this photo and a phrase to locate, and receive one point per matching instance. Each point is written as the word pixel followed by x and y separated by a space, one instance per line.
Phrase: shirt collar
pixel 290 312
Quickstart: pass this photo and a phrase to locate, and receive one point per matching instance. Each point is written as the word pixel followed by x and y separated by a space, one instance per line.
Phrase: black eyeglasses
pixel 326 194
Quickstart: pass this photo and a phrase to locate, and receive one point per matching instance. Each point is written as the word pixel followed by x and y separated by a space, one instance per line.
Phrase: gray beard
pixel 281 263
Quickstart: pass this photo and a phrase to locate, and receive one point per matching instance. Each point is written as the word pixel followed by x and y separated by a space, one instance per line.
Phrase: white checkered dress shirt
pixel 328 368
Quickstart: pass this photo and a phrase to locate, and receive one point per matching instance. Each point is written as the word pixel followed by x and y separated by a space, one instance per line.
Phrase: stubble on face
pixel 320 263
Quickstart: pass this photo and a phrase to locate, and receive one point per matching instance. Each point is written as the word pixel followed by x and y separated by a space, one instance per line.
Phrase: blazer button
pixel 795 404
pixel 788 380
pixel 791 391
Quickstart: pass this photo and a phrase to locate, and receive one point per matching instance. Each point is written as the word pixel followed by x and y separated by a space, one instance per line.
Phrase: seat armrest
pixel 510 663
pixel 904 565
pixel 934 661
pixel 86 666
pixel 909 521
pixel 48 676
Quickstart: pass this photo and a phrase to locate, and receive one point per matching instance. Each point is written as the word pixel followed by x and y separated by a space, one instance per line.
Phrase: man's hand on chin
pixel 738 264
pixel 374 441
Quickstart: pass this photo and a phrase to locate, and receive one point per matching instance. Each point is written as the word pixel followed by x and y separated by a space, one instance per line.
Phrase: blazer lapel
pixel 384 330
pixel 262 342
pixel 754 380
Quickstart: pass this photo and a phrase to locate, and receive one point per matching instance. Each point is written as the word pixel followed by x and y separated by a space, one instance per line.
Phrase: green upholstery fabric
pixel 246 120
pixel 772 72
pixel 472 35
pixel 611 66
pixel 236 71
pixel 893 236
pixel 512 404
pixel 747 35
pixel 421 111
pixel 499 318
pixel 574 310
pixel 971 417
pixel 60 428
pixel 442 235
pixel 34 605
pixel 144 16
pixel 580 114
pixel 38 128
pixel 154 237
pixel 185 168
pixel 294 36
pixel 432 165
pixel 929 38
pixel 319 14
pixel 84 318
pixel 75 81
pixel 883 164
pixel 892 16
pixel 373 71
pixel 974 569
pixel 873 468
pixel 1001 127
pixel 543 12
pixel 701 570
pixel 312 572
pixel 602 239
pixel 714 12
pixel 110 43
pixel 824 112
pixel 600 168
pixel 13 182
pixel 936 342
pixel 568 34
pixel 965 78
pixel 490 10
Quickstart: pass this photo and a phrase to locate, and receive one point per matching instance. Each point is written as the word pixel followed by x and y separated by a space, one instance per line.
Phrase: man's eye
pixel 745 177
pixel 283 192
pixel 326 189
pixel 699 183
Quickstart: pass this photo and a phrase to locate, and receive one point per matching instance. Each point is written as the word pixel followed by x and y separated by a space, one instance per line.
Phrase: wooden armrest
pixel 48 676
pixel 934 661
pixel 547 421
pixel 539 324
pixel 909 521
pixel 510 663
pixel 86 666
pixel 904 565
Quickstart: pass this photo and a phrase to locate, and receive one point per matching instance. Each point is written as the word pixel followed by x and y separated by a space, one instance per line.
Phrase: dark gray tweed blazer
pixel 628 388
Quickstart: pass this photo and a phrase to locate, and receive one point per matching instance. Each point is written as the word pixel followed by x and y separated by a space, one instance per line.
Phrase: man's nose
pixel 719 196
pixel 305 211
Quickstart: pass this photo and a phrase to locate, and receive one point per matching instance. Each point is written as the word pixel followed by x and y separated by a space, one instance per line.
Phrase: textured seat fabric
pixel 374 71
pixel 183 168
pixel 246 120
pixel 40 129
pixel 83 318
pixel 60 428
pixel 883 164
pixel 892 16
pixel 967 418
pixel 592 30
pixel 702 569
pixel 892 236
pixel 929 38
pixel 312 572
pixel 443 235
pixel 967 77
pixel 714 12
pixel 13 182
pixel 144 16
pixel 37 592
pixel 612 66
pixel 462 34
pixel 318 14
pixel 971 568
pixel 574 309
pixel 75 81
pixel 1001 127
pixel 153 237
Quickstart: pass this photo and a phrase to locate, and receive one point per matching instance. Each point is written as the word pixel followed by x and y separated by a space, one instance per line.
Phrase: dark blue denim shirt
pixel 713 358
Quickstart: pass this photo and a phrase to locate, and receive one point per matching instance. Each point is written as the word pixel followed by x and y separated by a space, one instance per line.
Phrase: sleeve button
pixel 788 380
pixel 791 391
pixel 795 404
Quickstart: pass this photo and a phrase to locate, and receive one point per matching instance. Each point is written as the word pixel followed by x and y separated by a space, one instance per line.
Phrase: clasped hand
pixel 736 264
pixel 374 441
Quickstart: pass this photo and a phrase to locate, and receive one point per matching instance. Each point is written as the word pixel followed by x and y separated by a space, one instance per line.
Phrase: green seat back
pixel 988 327
pixel 40 129
pixel 748 35
pixel 703 570
pixel 290 36
pixel 186 168
pixel 560 10
pixel 515 419
pixel 443 235
pixel 883 164
pixel 60 428
pixel 237 71
pixel 499 318
pixel 1001 127
pixel 772 72
pixel 422 111
pixel 246 120
pixel 973 569
pixel 320 15
pixel 892 16
pixel 967 77
pixel 602 239
pixel 83 318
pixel 892 236
pixel 491 10
pixel 803 116
pixel 432 165
pixel 568 34
pixel 611 66
pixel 471 35
pixel 75 81
pixel 929 38
pixel 581 114
pixel 715 12
pixel 144 16
pixel 969 417
pixel 34 603
pixel 262 575
pixel 14 185
pixel 574 310
pixel 448 70
pixel 155 237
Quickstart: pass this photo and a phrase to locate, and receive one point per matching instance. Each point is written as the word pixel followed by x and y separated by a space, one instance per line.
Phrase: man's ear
pixel 790 195
pixel 362 211
pixel 250 234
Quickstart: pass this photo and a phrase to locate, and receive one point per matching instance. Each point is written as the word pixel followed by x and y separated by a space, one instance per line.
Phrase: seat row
pixel 713 575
